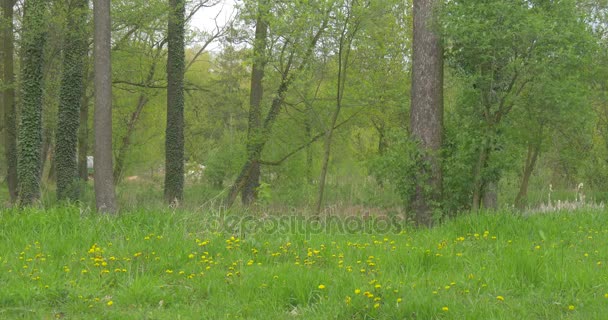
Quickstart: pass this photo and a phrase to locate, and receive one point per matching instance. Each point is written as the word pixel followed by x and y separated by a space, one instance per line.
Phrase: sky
pixel 204 17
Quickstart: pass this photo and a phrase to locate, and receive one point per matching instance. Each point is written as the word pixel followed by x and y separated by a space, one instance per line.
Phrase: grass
pixel 64 263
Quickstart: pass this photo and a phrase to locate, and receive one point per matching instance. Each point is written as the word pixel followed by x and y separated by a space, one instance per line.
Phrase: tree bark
pixel 105 196
pixel 426 114
pixel 174 138
pixel 70 99
pixel 30 131
pixel 521 200
pixel 249 194
pixel 8 96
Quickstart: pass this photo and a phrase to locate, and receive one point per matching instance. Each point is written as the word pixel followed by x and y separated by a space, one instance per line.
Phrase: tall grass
pixel 162 264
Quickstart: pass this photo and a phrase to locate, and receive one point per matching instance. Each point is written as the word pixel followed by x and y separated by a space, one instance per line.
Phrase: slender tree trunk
pixel 309 155
pixel 126 139
pixel 249 193
pixel 478 177
pixel 30 131
pixel 131 125
pixel 521 200
pixel 70 99
pixel 105 196
pixel 426 114
pixel 8 96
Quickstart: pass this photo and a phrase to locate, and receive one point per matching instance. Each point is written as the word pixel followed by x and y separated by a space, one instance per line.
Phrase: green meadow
pixel 70 264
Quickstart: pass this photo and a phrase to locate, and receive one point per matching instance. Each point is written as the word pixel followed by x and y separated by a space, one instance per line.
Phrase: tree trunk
pixel 105 196
pixel 126 139
pixel 174 138
pixel 426 114
pixel 249 194
pixel 490 195
pixel 70 99
pixel 478 177
pixel 8 96
pixel 30 131
pixel 521 200
pixel 309 155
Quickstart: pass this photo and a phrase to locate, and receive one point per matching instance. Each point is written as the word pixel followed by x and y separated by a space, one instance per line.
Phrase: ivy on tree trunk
pixel 30 131
pixel 71 91
pixel 8 96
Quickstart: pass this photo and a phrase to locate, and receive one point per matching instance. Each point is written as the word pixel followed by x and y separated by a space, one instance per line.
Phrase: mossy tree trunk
pixel 8 97
pixel 105 196
pixel 426 113
pixel 249 193
pixel 30 131
pixel 74 55
pixel 174 139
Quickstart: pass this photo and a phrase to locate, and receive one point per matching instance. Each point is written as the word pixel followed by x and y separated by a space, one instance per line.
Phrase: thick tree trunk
pixel 30 131
pixel 426 114
pixel 521 200
pixel 8 96
pixel 249 194
pixel 105 196
pixel 70 99
pixel 174 138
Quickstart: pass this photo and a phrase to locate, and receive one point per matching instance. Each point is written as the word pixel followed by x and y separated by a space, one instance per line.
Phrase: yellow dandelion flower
pixel 571 308
pixel 445 309
pixel 191 256
pixel 500 298
pixel 169 271
pixel 321 286
pixel 399 300
pixel 376 306
pixel 357 291
pixel 110 303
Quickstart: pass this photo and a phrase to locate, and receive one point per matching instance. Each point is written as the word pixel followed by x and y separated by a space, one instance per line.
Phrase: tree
pixel 426 113
pixel 346 35
pixel 30 129
pixel 249 192
pixel 174 138
pixel 295 47
pixel 72 89
pixel 501 55
pixel 105 196
pixel 8 98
